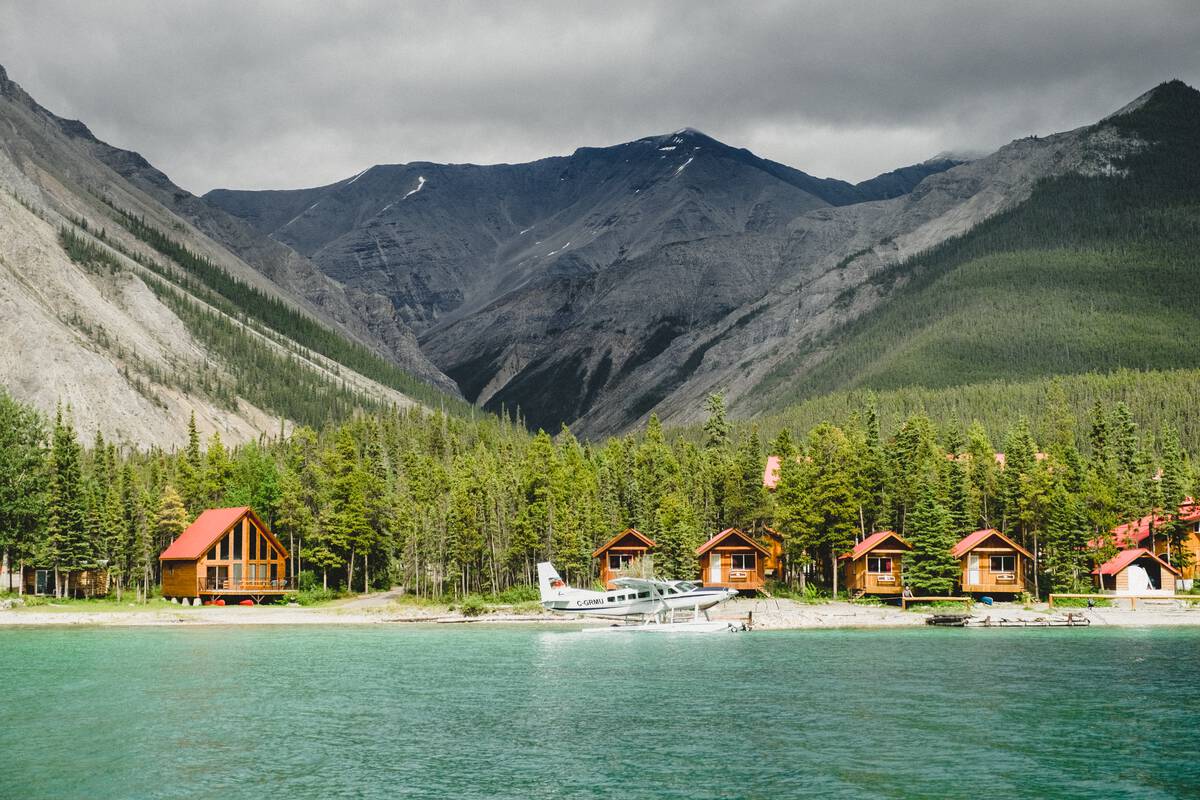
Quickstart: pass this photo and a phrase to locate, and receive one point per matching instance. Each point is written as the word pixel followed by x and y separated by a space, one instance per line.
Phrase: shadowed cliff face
pixel 550 286
pixel 595 288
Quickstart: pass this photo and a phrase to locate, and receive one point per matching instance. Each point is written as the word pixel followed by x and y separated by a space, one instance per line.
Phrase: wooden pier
pixel 1071 620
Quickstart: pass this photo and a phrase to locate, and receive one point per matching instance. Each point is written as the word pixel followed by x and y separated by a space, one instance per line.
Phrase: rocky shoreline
pixel 761 613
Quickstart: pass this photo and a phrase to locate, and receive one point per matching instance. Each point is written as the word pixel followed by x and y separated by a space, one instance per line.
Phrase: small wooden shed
pixel 618 551
pixel 226 552
pixel 1136 571
pixel 733 560
pixel 876 564
pixel 992 563
pixel 91 582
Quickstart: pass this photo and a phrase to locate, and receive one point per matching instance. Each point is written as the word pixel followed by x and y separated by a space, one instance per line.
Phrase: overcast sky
pixel 296 94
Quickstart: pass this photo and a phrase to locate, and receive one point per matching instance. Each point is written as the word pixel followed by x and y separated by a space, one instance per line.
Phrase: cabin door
pixel 973 568
pixel 714 567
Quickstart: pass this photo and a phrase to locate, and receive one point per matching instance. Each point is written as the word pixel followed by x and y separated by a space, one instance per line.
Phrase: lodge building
pixel 226 553
pixel 1149 532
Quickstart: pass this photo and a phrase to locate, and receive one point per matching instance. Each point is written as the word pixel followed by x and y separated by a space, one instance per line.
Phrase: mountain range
pixel 596 288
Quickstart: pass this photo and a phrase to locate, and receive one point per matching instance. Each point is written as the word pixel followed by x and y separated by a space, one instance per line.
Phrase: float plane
pixel 653 601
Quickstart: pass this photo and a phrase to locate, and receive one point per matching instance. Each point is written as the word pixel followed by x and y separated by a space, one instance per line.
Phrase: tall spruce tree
pixel 930 568
pixel 67 547
pixel 23 477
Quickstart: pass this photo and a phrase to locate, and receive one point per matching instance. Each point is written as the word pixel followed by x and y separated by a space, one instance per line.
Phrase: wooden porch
pixel 251 586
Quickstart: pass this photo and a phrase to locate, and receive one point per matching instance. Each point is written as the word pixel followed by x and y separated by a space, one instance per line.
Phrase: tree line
pixel 442 504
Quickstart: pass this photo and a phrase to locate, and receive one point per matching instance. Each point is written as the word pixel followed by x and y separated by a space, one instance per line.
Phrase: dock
pixel 1071 620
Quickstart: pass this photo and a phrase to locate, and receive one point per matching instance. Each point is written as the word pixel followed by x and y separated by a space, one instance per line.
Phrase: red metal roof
pixel 771 473
pixel 1133 533
pixel 714 541
pixel 973 540
pixel 871 542
pixel 1126 557
pixel 207 528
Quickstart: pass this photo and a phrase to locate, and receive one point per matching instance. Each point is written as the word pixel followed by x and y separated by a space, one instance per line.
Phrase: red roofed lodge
pixel 1150 532
pixel 226 552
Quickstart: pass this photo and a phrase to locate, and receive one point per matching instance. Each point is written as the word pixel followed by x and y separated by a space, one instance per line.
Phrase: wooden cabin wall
pixel 986 582
pixel 180 578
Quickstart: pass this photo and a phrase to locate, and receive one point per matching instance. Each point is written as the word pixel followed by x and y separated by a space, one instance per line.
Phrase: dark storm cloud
pixel 295 94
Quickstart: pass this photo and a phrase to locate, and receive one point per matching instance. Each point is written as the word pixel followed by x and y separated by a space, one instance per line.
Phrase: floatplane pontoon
pixel 647 605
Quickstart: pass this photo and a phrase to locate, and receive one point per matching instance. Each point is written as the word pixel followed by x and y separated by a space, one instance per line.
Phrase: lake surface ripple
pixel 524 712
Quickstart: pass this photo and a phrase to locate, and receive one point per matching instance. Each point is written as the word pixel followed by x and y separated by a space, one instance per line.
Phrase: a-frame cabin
pixel 227 553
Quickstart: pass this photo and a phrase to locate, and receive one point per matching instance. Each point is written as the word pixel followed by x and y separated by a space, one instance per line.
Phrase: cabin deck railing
pixel 244 585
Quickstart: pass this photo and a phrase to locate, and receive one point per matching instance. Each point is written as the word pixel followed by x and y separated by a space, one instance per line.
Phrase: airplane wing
pixel 640 583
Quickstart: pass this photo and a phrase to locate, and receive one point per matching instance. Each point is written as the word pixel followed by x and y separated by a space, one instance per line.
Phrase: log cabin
pixel 774 566
pixel 992 563
pixel 733 560
pixel 227 553
pixel 1136 571
pixel 617 552
pixel 90 582
pixel 875 565
pixel 1149 532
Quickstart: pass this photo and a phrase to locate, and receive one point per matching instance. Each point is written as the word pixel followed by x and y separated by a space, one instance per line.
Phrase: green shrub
pixel 317 595
pixel 473 606
pixel 516 595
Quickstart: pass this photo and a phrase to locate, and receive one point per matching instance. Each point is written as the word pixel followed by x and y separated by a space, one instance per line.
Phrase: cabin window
pixel 274 572
pixel 212 554
pixel 742 561
pixel 643 595
pixel 612 599
pixel 1004 563
pixel 224 556
pixel 263 548
pixel 619 560
pixel 236 535
pixel 879 565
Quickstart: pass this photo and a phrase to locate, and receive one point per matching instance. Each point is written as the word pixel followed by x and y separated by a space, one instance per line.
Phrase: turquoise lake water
pixel 522 712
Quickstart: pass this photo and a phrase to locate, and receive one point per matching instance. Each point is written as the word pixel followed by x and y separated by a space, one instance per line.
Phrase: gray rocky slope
pixel 102 343
pixel 595 288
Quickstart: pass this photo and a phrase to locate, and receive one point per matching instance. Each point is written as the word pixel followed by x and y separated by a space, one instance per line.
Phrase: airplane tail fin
pixel 548 581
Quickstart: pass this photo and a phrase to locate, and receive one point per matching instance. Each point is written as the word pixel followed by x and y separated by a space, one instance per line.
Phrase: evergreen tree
pixel 22 481
pixel 716 428
pixel 191 471
pixel 218 473
pixel 930 568
pixel 67 547
pixel 678 536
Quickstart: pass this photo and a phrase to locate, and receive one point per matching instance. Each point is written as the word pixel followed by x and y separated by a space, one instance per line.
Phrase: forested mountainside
pixel 596 288
pixel 1092 273
pixel 136 318
pixel 451 505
